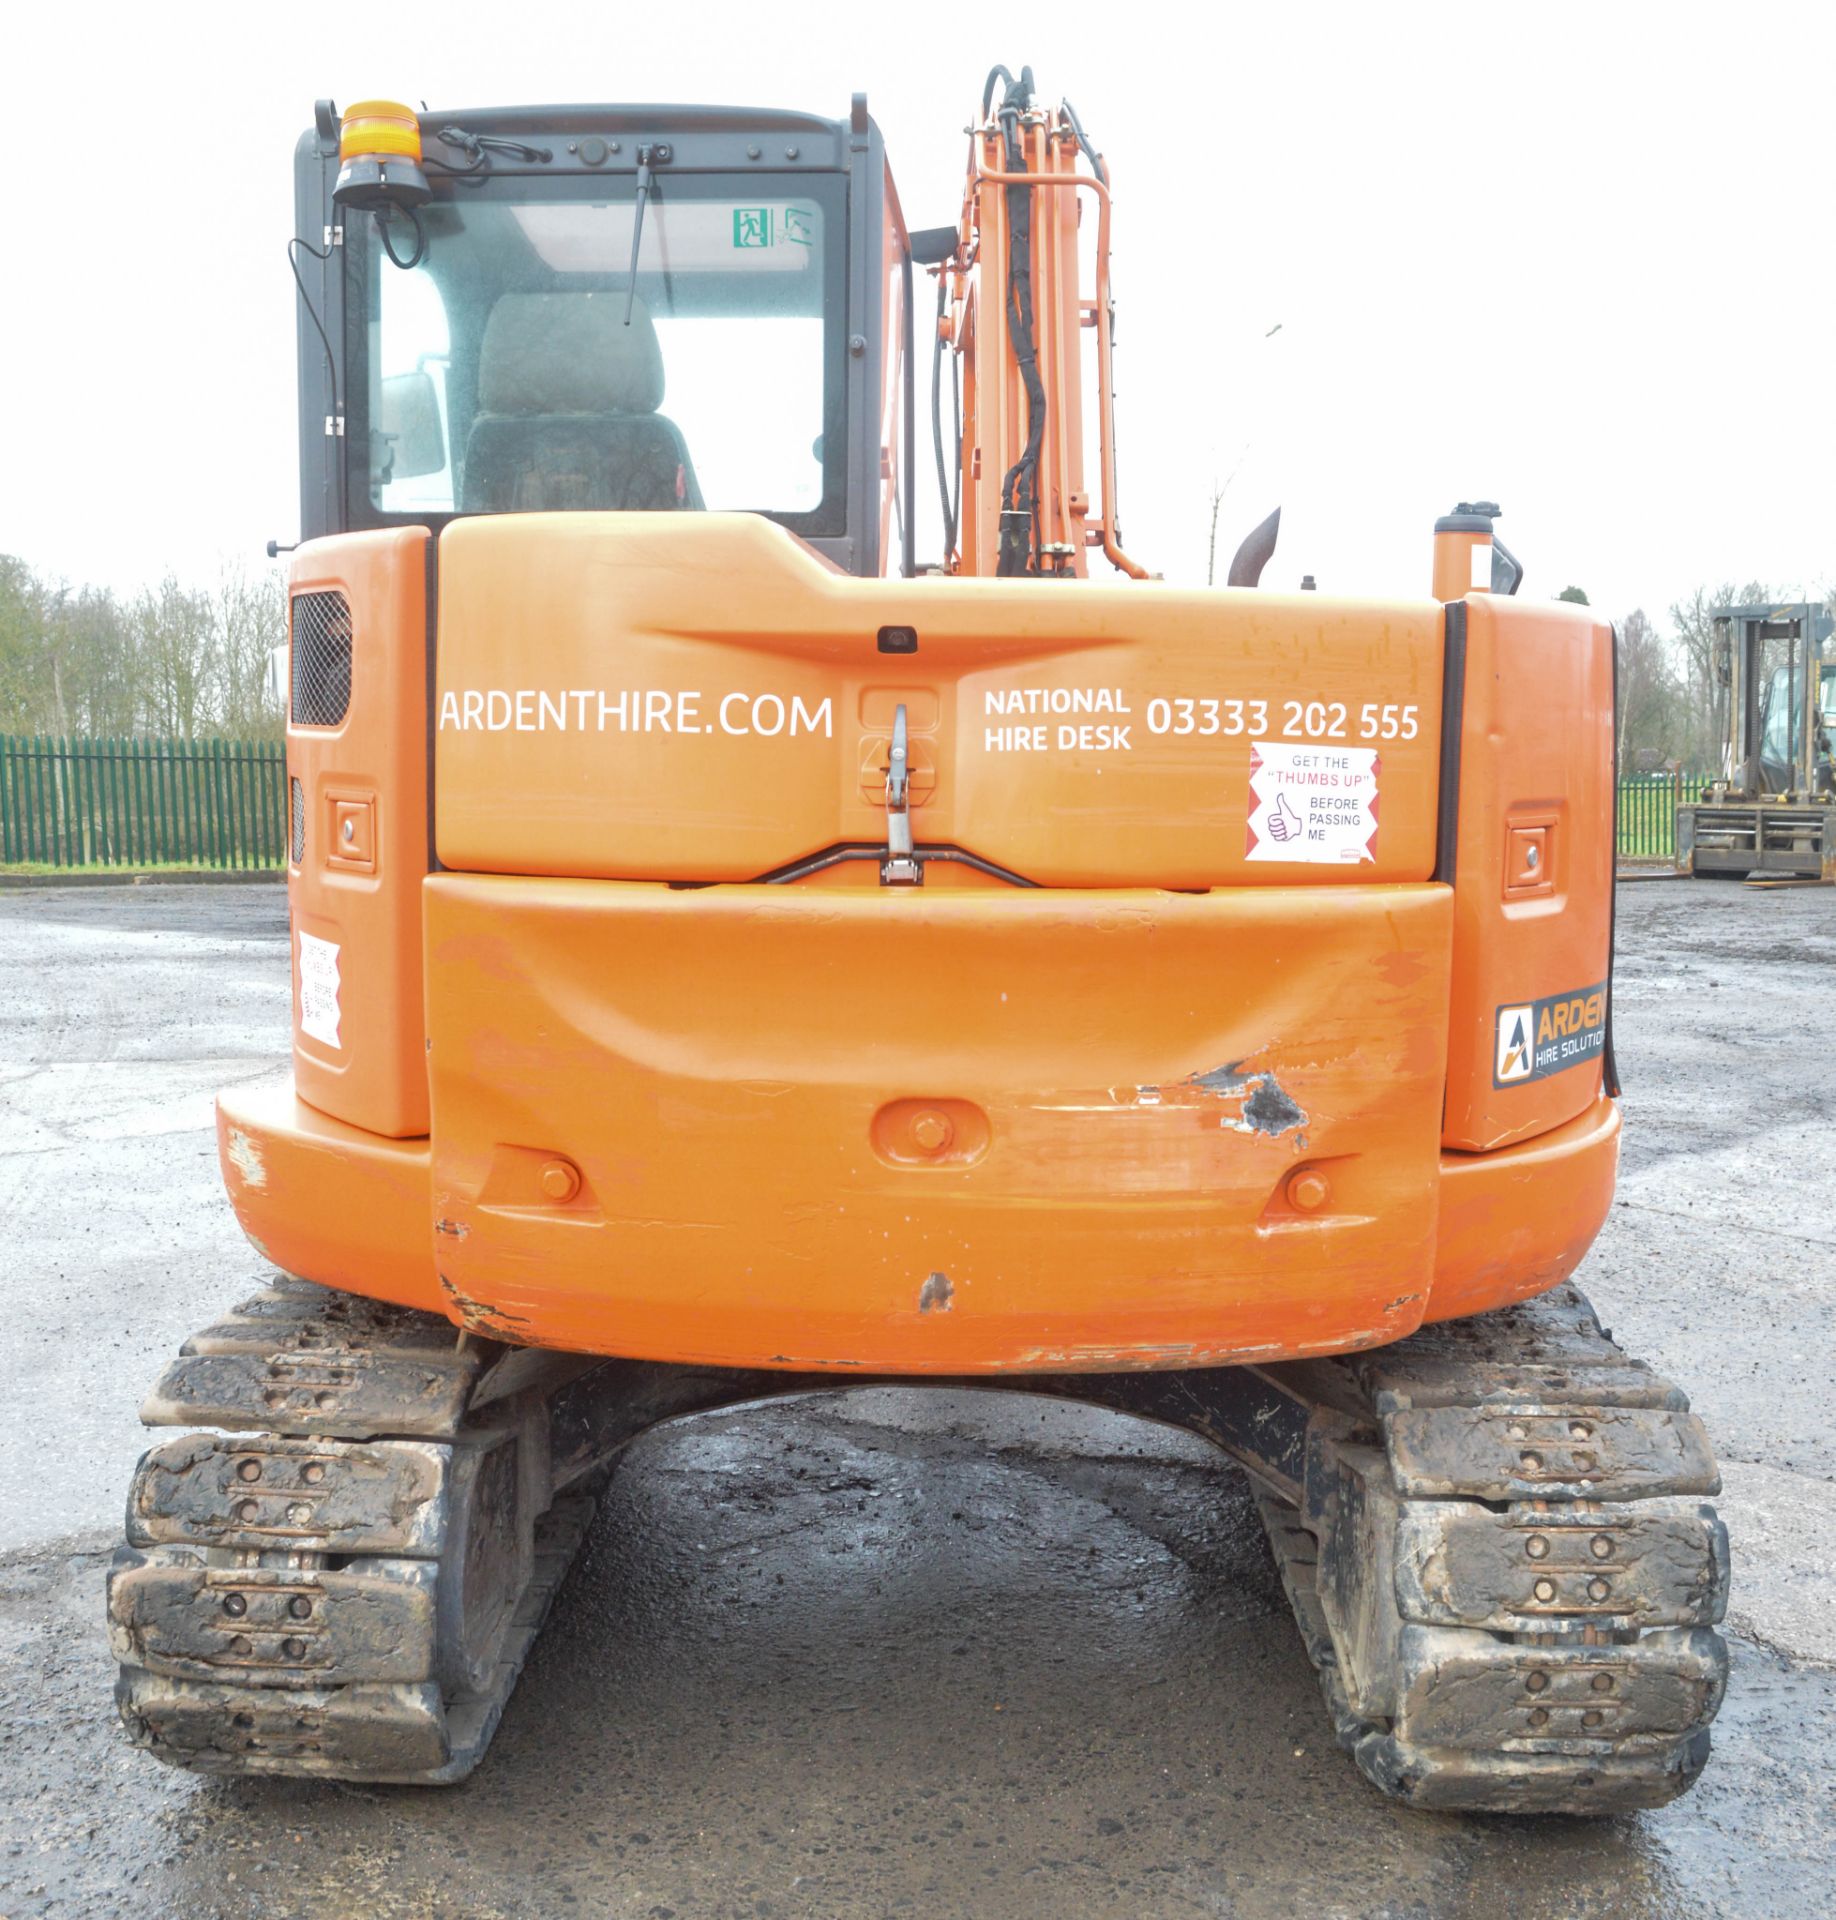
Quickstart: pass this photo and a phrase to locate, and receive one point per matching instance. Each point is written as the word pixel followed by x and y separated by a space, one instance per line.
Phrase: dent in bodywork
pixel 1267 1107
pixel 244 1154
pixel 936 1294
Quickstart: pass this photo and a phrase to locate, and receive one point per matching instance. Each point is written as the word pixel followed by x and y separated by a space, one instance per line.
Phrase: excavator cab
pixel 655 310
pixel 728 961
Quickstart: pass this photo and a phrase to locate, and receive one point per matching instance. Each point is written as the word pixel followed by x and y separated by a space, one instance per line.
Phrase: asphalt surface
pixel 895 1652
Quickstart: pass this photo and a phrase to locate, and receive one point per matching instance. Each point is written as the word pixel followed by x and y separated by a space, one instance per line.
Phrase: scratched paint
pixel 244 1153
pixel 1268 1108
pixel 479 1317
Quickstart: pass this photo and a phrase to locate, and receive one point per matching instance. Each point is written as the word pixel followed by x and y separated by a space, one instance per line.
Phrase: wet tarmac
pixel 894 1652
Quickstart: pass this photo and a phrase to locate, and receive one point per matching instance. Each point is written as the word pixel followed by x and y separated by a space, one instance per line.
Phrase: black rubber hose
pixel 937 440
pixel 1090 153
pixel 956 470
pixel 1019 488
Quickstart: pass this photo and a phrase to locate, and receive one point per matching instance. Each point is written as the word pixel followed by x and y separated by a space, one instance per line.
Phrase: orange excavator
pixel 733 960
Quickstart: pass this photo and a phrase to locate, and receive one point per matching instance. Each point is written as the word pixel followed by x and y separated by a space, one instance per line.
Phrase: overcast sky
pixel 1574 258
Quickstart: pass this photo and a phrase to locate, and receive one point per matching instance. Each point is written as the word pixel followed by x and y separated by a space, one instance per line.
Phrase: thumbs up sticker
pixel 1313 803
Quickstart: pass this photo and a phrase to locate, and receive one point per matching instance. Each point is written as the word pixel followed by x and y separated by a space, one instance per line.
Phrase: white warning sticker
pixel 319 989
pixel 1312 803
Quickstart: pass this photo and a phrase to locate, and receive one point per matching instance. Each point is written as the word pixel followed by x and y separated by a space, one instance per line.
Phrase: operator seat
pixel 567 411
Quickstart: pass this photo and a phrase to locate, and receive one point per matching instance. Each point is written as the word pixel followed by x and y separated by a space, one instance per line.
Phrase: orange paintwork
pixel 996 416
pixel 1536 769
pixel 688 619
pixel 361 889
pixel 1462 564
pixel 327 1201
pixel 597 1087
pixel 791 1110
pixel 996 428
pixel 1498 1239
pixel 1518 1221
pixel 787 1108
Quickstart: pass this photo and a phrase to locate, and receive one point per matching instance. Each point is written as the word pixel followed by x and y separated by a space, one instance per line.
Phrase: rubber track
pixel 1498 1554
pixel 1502 1570
pixel 278 1607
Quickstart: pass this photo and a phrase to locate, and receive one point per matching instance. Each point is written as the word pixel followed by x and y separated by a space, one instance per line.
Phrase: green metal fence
pixel 116 803
pixel 1648 812
pixel 223 803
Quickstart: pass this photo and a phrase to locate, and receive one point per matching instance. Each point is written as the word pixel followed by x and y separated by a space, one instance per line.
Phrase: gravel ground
pixel 894 1652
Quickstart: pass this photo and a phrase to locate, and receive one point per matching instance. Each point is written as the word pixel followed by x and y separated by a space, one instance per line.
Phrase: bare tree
pixel 1648 692
pixel 251 621
pixel 173 660
pixel 23 675
pixel 1219 488
pixel 179 659
pixel 96 648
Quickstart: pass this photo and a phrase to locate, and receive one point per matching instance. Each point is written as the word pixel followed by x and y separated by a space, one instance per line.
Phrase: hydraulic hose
pixel 937 440
pixel 1019 488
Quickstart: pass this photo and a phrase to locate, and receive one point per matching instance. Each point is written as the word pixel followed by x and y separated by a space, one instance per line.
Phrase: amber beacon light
pixel 379 154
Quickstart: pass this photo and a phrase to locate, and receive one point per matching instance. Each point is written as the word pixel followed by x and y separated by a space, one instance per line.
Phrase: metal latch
pixel 901 867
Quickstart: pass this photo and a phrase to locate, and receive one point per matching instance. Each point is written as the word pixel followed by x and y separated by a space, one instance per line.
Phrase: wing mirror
pixel 414 442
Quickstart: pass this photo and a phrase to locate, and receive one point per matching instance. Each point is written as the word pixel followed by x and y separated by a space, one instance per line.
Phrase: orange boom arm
pixel 1010 308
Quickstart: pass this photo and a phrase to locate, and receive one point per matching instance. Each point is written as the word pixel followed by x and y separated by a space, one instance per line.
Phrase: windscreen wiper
pixel 649 156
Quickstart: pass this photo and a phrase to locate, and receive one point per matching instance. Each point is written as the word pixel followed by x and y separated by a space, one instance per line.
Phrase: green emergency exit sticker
pixel 752 226
pixel 758 227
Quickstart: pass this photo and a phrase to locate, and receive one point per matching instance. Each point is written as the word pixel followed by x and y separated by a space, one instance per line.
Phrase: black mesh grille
pixel 321 659
pixel 296 844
